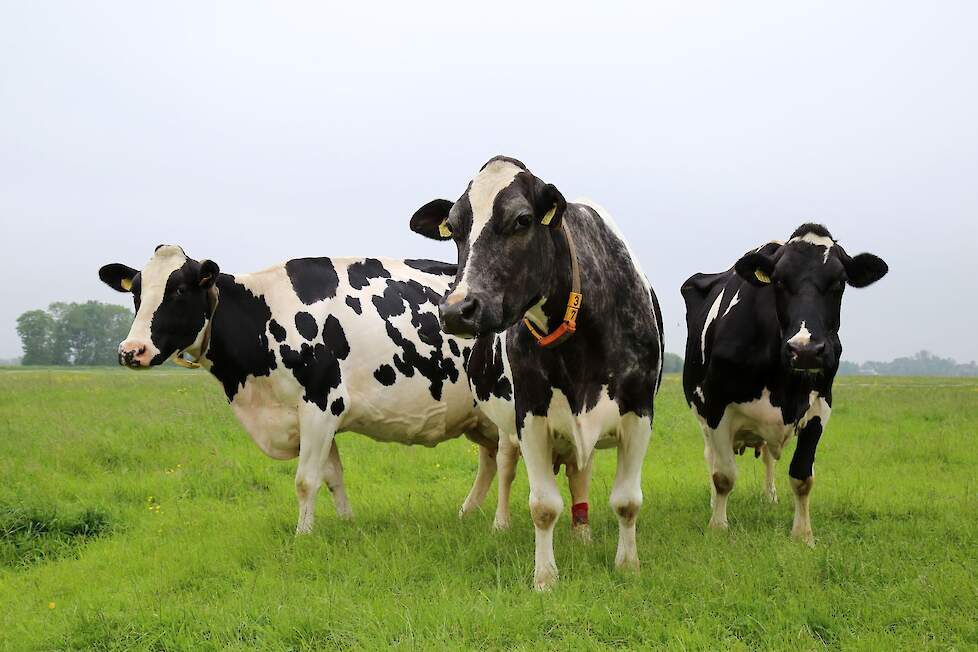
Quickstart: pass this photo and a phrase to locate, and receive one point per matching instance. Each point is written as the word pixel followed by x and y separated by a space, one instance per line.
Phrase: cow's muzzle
pixel 135 355
pixel 461 317
pixel 806 358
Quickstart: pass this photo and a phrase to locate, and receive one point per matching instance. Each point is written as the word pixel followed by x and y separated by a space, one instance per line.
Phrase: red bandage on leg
pixel 579 514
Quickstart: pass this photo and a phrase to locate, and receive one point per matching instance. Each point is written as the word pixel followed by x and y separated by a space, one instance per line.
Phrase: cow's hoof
pixel 627 563
pixel 501 523
pixel 718 524
pixel 345 514
pixel 303 529
pixel 582 532
pixel 804 536
pixel 545 580
pixel 772 496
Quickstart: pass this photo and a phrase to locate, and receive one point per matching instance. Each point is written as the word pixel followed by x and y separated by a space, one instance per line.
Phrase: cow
pixel 567 352
pixel 310 348
pixel 762 352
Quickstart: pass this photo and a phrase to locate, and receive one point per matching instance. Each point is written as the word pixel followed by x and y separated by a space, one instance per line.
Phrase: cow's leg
pixel 708 456
pixel 507 459
pixel 483 479
pixel 333 475
pixel 802 475
pixel 769 462
pixel 626 494
pixel 316 432
pixel 579 482
pixel 546 503
pixel 723 474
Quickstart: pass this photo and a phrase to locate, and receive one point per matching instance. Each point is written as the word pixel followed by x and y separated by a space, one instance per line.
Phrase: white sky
pixel 250 133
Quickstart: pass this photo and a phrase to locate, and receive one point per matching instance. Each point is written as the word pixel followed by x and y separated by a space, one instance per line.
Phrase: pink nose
pixel 134 354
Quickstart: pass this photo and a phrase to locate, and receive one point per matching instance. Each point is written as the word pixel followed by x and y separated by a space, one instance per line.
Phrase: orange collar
pixel 569 326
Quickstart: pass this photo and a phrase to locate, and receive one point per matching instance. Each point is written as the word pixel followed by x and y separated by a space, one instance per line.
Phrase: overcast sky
pixel 253 133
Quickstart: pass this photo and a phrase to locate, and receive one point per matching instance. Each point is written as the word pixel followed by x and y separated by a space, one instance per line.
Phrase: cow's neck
pixel 794 392
pixel 238 345
pixel 549 313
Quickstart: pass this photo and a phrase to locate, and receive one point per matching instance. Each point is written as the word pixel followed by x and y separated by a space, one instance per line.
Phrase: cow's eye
pixel 524 221
pixel 178 292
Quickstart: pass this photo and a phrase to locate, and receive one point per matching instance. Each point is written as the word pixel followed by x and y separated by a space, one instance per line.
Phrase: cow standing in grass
pixel 310 348
pixel 762 351
pixel 569 350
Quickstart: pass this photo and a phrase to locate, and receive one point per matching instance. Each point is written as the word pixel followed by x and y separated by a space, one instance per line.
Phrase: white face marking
pixel 802 337
pixel 482 194
pixel 733 302
pixel 818 241
pixel 710 317
pixel 154 276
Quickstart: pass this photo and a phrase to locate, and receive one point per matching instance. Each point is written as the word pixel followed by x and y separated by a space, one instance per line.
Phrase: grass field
pixel 136 514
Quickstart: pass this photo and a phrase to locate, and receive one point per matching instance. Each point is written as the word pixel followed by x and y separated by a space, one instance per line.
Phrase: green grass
pixel 136 514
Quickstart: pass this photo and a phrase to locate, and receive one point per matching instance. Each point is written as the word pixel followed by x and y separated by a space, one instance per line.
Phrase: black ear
pixel 549 204
pixel 430 220
pixel 755 268
pixel 207 275
pixel 118 276
pixel 863 269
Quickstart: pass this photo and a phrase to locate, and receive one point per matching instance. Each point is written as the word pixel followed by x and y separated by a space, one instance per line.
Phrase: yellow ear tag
pixel 126 284
pixel 549 216
pixel 443 230
pixel 761 276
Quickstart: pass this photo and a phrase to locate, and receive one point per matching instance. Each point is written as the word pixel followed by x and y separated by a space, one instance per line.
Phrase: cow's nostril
pixel 468 307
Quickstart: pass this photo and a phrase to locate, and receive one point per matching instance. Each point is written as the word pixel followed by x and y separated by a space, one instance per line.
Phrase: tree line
pixel 73 333
pixel 89 334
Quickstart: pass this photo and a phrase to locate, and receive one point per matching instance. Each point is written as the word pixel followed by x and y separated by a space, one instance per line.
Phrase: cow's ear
pixel 207 275
pixel 755 268
pixel 550 204
pixel 863 269
pixel 118 276
pixel 431 220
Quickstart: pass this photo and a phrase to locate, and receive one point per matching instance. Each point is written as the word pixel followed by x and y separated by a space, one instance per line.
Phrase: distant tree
pixel 922 363
pixel 672 363
pixel 38 336
pixel 73 333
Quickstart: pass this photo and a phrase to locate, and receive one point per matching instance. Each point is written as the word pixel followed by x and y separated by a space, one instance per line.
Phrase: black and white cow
pixel 762 351
pixel 569 350
pixel 313 347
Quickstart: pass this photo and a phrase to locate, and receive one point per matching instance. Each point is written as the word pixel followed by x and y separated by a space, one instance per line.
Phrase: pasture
pixel 136 514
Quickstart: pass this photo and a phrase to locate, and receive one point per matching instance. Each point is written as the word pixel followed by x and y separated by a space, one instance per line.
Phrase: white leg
pixel 801 530
pixel 545 501
pixel 333 474
pixel 724 472
pixel 316 431
pixel 626 495
pixel 483 479
pixel 507 458
pixel 769 462
pixel 708 456
pixel 579 482
pixel 801 471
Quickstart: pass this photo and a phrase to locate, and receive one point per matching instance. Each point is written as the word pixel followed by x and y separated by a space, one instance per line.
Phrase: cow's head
pixel 808 275
pixel 170 295
pixel 503 225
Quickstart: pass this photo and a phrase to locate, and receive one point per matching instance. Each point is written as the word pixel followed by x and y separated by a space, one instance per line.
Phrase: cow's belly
pixel 759 423
pixel 407 413
pixel 269 413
